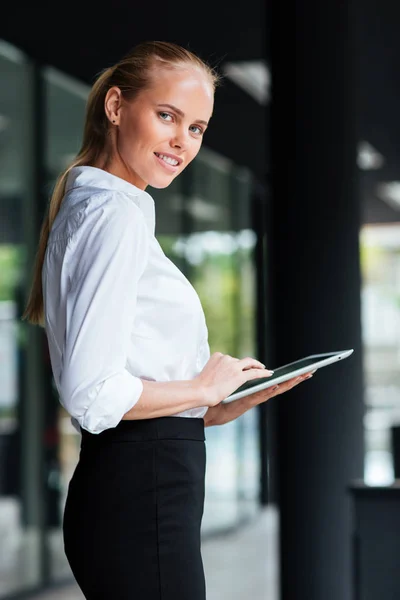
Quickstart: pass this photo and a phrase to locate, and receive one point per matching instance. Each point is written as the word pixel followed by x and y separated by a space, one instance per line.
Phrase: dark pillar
pixel 315 291
pixel 259 221
pixel 38 404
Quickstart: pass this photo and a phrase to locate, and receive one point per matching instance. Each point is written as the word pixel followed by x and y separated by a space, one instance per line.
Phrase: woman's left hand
pixel 264 395
pixel 225 412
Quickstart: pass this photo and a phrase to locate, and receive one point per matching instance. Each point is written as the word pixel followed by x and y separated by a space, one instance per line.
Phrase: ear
pixel 112 104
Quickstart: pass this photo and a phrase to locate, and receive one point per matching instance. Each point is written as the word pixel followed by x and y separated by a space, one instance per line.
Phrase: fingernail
pixel 270 372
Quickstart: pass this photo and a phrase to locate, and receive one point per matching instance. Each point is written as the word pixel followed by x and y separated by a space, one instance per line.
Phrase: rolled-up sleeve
pixel 108 257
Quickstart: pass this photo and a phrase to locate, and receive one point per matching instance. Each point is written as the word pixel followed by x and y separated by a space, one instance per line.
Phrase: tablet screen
pixel 285 369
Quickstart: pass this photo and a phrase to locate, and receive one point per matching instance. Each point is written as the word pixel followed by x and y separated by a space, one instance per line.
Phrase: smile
pixel 168 162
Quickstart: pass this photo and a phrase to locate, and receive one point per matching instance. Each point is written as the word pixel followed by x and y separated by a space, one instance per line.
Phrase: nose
pixel 180 140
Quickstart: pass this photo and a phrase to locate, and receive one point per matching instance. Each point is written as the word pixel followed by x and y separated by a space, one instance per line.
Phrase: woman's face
pixel 160 132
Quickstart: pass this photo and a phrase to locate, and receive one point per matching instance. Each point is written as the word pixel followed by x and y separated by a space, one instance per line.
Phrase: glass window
pixel 19 525
pixel 380 262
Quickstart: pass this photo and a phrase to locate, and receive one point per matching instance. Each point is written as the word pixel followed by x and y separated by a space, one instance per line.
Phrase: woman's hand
pixel 224 412
pixel 264 395
pixel 223 374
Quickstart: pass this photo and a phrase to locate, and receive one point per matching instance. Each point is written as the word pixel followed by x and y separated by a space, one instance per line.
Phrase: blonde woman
pixel 128 338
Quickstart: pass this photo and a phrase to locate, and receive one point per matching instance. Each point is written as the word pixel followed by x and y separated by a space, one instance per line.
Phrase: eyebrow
pixel 181 113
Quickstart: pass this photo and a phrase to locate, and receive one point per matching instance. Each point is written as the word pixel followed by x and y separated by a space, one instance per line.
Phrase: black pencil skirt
pixel 133 511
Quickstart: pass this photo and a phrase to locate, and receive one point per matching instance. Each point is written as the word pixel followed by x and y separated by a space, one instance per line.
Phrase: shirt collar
pixel 98 178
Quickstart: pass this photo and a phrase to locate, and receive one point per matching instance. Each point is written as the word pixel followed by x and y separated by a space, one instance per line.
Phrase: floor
pixel 238 565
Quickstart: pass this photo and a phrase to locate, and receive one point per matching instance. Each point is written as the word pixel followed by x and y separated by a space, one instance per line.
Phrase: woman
pixel 128 338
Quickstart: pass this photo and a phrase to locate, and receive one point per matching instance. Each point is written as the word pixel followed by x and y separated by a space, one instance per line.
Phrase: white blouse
pixel 117 310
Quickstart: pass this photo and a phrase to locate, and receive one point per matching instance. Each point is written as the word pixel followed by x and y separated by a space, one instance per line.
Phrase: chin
pixel 160 183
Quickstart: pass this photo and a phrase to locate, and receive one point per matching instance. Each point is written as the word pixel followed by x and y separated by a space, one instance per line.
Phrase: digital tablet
pixel 281 374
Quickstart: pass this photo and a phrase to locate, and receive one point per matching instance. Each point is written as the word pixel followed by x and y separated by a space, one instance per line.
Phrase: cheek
pixel 141 133
pixel 194 150
pixel 154 132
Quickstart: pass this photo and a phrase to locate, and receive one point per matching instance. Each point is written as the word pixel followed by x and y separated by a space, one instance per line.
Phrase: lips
pixel 166 164
pixel 169 159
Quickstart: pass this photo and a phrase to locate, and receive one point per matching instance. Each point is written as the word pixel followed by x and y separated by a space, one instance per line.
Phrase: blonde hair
pixel 131 74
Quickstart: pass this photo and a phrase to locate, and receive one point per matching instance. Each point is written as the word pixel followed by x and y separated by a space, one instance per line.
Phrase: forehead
pixel 189 89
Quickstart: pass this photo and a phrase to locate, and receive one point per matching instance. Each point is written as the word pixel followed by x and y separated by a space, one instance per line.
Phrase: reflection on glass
pixel 380 261
pixel 19 532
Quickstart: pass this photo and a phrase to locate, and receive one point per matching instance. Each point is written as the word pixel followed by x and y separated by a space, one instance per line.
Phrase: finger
pixel 288 385
pixel 263 396
pixel 273 391
pixel 270 393
pixel 305 377
pixel 309 374
pixel 293 382
pixel 249 362
pixel 266 394
pixel 299 378
pixel 276 390
pixel 257 373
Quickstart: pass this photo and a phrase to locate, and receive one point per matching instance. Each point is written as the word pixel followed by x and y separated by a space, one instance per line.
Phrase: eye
pixel 199 129
pixel 164 115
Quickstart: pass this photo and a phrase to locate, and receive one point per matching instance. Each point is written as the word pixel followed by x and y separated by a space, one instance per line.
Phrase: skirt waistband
pixel 140 430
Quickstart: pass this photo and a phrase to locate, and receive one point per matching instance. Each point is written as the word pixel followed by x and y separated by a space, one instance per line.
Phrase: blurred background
pixel 288 226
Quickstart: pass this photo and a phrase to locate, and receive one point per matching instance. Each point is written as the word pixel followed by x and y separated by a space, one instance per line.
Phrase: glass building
pixel 204 224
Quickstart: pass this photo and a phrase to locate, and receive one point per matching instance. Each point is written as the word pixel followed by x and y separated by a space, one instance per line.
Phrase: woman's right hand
pixel 223 374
